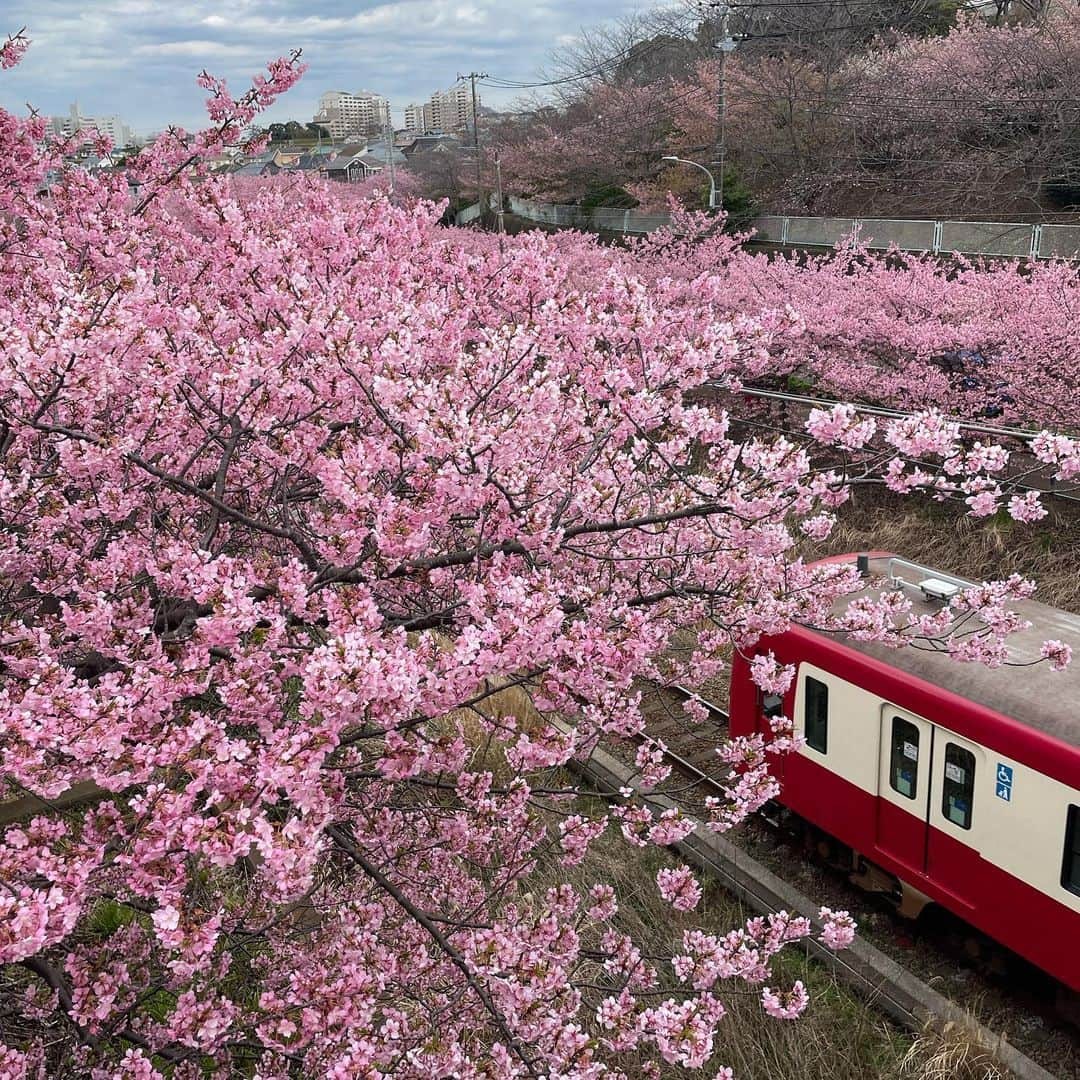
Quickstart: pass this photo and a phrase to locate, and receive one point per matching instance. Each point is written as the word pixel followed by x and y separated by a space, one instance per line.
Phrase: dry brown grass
pixel 949 1055
pixel 840 1037
pixel 511 703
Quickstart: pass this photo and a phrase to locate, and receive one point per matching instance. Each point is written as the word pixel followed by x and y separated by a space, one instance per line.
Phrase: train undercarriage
pixel 926 917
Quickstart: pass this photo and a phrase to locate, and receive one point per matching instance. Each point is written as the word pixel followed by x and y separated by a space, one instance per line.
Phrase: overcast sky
pixel 138 58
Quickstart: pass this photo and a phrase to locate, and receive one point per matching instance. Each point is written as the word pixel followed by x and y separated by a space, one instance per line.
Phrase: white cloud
pixel 139 58
pixel 198 49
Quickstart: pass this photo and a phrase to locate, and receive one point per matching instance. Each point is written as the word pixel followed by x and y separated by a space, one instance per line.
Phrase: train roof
pixel 1035 696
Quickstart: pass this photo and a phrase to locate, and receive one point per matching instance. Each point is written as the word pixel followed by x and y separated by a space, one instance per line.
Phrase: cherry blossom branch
pixel 345 845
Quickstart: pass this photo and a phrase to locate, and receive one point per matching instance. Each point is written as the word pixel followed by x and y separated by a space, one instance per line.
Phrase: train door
pixel 952 851
pixel 904 786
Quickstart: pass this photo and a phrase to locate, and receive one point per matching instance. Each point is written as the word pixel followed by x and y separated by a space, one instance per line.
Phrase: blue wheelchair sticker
pixel 1003 788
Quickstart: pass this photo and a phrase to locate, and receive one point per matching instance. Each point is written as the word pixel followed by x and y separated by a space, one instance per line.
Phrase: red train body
pixel 960 782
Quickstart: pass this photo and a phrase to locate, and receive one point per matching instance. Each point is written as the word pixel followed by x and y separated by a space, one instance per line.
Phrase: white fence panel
pixel 880 233
pixel 987 238
pixel 769 228
pixel 1059 242
pixel 606 217
pixel 470 213
pixel 646 223
pixel 819 231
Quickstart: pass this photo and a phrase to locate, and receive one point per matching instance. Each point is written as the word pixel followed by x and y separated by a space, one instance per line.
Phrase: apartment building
pixel 344 114
pixel 76 120
pixel 447 110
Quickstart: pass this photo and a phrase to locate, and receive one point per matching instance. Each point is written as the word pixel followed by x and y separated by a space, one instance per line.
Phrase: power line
pixel 640 48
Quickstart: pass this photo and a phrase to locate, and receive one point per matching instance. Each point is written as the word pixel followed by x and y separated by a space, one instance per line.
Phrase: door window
pixel 1070 865
pixel 958 790
pixel 904 758
pixel 817 715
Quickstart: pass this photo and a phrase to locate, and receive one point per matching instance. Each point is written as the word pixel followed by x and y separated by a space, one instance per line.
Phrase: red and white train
pixel 946 783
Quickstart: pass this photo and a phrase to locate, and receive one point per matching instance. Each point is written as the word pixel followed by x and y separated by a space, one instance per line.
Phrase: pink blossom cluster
pixel 671 827
pixel 838 931
pixel 684 1030
pixel 785 1004
pixel 651 764
pixel 742 953
pixel 841 426
pixel 1058 653
pixel 769 675
pixel 679 888
pixel 12 50
pixel 577 833
pixel 783 737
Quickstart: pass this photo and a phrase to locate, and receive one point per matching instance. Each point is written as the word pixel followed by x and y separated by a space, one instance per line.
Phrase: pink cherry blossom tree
pixel 836 109
pixel 296 488
pixel 611 136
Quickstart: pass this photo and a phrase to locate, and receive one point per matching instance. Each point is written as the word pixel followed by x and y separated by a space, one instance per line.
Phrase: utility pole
pixel 472 77
pixel 500 223
pixel 725 44
pixel 389 136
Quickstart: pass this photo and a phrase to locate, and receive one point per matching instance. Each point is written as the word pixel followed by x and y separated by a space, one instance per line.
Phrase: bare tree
pixel 639 48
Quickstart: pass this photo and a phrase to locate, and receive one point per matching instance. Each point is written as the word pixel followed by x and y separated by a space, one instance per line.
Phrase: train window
pixel 904 758
pixel 1070 864
pixel 816 715
pixel 958 790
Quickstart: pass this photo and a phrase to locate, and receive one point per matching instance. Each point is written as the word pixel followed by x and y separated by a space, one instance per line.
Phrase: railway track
pixel 1024 474
pixel 869 969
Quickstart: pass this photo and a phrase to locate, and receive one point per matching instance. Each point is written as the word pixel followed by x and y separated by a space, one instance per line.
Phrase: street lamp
pixel 725 44
pixel 712 181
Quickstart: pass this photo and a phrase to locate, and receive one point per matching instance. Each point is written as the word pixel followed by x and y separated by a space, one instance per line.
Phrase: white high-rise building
pixel 415 120
pixel 76 120
pixel 361 114
pixel 447 110
pixel 452 110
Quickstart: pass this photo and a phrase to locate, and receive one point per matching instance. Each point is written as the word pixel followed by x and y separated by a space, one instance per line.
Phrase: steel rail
pixel 1064 496
pixel 873 410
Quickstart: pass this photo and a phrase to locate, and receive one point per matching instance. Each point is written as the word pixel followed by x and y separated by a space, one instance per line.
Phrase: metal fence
pixel 1059 241
pixel 1011 239
pixel 607 218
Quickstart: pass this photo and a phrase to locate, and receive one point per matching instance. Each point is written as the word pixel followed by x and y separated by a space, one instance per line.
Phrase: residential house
pixel 424 144
pixel 352 163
